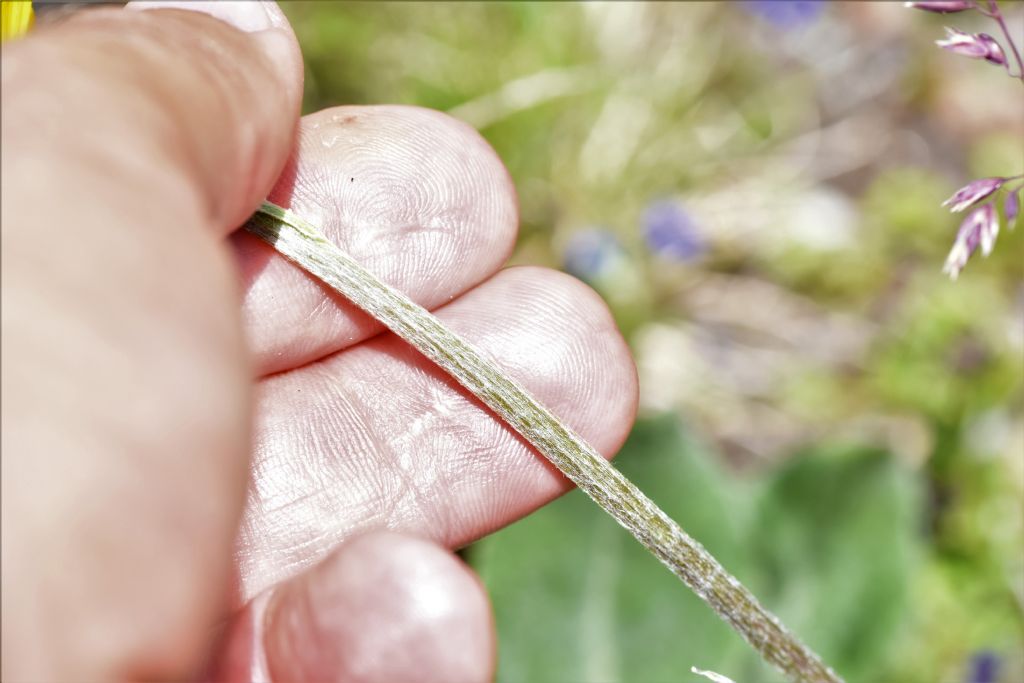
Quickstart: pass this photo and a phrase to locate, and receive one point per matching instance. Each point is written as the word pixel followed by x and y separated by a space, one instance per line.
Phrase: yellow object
pixel 15 18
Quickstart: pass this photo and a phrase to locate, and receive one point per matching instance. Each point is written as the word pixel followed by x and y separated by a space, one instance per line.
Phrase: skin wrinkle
pixel 351 423
pixel 406 495
pixel 456 449
pixel 282 505
pixel 276 469
pixel 322 308
pixel 466 458
pixel 339 417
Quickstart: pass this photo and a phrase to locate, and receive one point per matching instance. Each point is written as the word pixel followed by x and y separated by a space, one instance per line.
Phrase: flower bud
pixel 941 6
pixel 995 51
pixel 973 45
pixel 973 192
pixel 1012 207
pixel 979 228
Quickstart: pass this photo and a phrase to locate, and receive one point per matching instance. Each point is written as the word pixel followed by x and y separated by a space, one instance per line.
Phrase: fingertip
pixel 182 107
pixel 415 195
pixel 384 607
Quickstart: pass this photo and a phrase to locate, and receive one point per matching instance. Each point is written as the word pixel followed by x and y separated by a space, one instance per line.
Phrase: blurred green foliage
pixel 833 536
pixel 854 441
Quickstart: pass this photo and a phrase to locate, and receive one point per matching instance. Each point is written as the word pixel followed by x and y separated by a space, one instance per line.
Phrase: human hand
pixel 133 144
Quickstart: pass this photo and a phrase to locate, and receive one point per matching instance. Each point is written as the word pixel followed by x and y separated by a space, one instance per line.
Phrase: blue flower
pixel 591 253
pixel 671 232
pixel 785 13
pixel 984 667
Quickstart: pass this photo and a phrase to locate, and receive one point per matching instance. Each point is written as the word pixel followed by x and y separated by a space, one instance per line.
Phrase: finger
pixel 377 437
pixel 185 108
pixel 125 385
pixel 383 607
pixel 416 196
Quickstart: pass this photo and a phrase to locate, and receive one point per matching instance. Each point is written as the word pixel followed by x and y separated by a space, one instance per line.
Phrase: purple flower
pixel 1012 207
pixel 785 13
pixel 973 192
pixel 973 45
pixel 979 228
pixel 591 253
pixel 671 232
pixel 995 51
pixel 941 6
pixel 984 667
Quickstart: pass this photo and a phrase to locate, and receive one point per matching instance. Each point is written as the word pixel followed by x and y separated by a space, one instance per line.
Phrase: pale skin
pixel 158 365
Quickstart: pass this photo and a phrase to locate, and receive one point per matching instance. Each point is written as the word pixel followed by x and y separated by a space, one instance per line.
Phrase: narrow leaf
pixel 305 245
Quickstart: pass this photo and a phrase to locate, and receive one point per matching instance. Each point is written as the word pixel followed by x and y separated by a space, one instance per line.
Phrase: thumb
pixel 132 141
pixel 176 98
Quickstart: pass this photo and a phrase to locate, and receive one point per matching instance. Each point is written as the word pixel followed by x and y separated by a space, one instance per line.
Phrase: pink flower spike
pixel 1012 207
pixel 989 228
pixel 979 228
pixel 980 46
pixel 973 192
pixel 941 6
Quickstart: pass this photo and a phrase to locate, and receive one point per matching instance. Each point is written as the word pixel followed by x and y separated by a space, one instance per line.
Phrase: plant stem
pixel 306 246
pixel 998 16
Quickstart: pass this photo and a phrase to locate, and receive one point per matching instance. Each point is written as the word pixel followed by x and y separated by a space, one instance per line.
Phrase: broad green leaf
pixel 577 599
pixel 836 542
pixel 828 543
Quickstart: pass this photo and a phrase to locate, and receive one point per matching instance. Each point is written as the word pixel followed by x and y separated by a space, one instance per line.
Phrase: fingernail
pixel 246 16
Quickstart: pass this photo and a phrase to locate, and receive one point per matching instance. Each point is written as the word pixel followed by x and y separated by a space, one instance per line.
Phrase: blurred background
pixel 754 189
